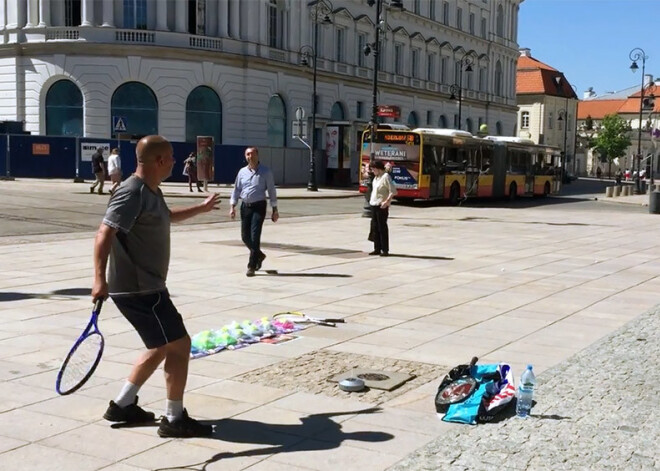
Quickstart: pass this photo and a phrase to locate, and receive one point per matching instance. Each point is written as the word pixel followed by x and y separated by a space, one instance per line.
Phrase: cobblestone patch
pixel 310 373
pixel 597 410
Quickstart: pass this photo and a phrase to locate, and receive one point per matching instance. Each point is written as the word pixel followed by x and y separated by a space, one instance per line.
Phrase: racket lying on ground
pixel 300 318
pixel 83 358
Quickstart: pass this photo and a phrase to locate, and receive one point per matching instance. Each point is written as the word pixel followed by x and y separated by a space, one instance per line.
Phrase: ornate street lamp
pixel 374 49
pixel 562 116
pixel 635 55
pixel 307 53
pixel 457 90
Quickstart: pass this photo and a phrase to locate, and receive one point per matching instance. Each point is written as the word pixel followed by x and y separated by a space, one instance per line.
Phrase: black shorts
pixel 153 316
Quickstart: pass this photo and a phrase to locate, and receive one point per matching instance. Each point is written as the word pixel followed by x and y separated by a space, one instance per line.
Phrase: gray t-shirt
pixel 140 253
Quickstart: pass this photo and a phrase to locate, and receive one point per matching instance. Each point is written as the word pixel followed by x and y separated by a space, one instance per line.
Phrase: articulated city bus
pixel 451 164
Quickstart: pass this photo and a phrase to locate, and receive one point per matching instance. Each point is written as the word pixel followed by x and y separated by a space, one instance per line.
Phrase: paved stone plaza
pixel 539 284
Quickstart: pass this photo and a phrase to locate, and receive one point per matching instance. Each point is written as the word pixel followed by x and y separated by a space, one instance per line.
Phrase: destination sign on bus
pixel 398 137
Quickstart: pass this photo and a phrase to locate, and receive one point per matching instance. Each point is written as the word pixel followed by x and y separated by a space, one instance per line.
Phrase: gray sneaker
pixel 184 427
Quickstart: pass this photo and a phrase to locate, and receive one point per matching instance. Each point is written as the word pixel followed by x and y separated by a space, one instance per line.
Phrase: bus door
pixel 432 166
pixel 472 171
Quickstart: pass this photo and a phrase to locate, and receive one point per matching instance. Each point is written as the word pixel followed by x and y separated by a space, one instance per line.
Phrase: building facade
pixel 547 107
pixel 234 69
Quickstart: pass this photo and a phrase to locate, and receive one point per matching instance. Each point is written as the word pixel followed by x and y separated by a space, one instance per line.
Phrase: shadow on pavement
pixel 73 292
pixel 420 257
pixel 308 275
pixel 284 438
pixel 8 296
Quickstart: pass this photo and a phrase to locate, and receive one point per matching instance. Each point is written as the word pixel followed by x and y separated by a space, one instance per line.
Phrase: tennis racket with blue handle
pixel 83 358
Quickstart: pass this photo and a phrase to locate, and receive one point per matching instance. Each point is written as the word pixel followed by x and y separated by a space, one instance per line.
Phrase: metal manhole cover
pixel 373 377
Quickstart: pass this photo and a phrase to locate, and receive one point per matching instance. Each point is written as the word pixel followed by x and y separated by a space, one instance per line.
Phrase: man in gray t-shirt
pixel 135 237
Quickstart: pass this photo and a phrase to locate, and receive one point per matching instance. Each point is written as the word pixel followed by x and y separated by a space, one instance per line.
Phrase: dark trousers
pixel 252 220
pixel 379 228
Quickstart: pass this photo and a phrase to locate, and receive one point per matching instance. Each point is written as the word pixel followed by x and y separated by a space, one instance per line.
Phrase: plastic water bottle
pixel 525 392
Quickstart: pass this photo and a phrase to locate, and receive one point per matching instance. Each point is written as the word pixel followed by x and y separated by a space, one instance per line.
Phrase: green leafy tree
pixel 612 140
pixel 588 123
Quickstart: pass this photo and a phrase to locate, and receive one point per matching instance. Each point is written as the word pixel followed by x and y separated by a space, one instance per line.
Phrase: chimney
pixel 648 79
pixel 525 51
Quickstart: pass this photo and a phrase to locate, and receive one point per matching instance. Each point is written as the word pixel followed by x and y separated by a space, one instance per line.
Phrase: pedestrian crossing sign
pixel 119 123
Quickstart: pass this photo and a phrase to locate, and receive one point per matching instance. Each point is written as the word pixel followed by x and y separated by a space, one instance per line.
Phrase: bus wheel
pixel 546 189
pixel 454 194
pixel 513 191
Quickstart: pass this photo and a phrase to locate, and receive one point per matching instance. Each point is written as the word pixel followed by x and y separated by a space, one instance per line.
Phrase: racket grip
pixel 98 303
pixel 336 321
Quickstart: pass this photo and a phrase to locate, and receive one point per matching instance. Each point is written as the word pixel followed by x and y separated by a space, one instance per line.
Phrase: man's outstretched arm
pixel 209 204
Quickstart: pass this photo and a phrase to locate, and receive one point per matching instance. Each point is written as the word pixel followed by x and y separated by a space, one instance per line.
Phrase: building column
pixel 30 14
pixel 262 18
pixel 181 14
pixel 223 12
pixel 108 14
pixel 161 16
pixel 44 13
pixel 235 20
pixel 87 13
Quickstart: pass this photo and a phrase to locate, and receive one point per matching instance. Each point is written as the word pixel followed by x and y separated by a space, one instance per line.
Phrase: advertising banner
pixel 87 149
pixel 332 146
pixel 205 158
pixel 401 160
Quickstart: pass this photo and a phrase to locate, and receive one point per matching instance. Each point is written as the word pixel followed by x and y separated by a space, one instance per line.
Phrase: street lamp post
pixel 562 116
pixel 306 52
pixel 374 49
pixel 457 90
pixel 635 55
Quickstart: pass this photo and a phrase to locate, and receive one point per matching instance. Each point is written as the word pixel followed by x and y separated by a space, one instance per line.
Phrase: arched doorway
pixel 136 104
pixel 64 109
pixel 203 115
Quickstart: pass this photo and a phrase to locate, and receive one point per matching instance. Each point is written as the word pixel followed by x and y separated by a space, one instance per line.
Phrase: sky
pixel 590 40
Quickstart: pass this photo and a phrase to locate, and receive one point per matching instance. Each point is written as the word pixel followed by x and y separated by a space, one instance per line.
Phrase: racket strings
pixel 81 362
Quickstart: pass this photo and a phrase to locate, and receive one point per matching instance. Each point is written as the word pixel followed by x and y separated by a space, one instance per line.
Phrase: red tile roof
pixel 533 77
pixel 598 109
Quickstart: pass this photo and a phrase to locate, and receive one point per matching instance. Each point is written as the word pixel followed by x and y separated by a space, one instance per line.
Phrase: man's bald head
pixel 149 148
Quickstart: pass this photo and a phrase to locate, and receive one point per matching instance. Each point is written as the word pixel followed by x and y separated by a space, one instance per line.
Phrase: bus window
pixel 431 159
pixel 486 160
pixel 455 159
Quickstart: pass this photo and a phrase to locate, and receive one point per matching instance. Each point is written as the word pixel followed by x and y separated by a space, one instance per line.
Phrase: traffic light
pixel 648 103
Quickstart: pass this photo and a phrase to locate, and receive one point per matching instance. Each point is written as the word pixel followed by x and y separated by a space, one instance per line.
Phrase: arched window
pixel 468 123
pixel 203 115
pixel 64 109
pixel 135 14
pixel 500 21
pixel 442 122
pixel 136 104
pixel 498 78
pixel 276 122
pixel 337 112
pixel 413 120
pixel 498 128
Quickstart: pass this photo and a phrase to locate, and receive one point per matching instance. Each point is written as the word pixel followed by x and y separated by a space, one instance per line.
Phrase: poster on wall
pixel 87 149
pixel 332 146
pixel 205 150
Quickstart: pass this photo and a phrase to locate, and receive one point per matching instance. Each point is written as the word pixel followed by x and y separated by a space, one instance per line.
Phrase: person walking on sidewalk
pixel 381 197
pixel 114 169
pixel 134 238
pixel 190 170
pixel 252 183
pixel 98 167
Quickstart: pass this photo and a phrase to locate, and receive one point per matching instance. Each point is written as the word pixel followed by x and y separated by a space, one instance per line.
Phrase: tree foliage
pixel 612 140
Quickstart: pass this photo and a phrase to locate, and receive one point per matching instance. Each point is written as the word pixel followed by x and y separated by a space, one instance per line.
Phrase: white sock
pixel 127 394
pixel 173 410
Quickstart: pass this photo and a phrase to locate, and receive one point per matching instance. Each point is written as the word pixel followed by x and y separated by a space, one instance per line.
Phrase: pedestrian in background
pixel 98 167
pixel 190 170
pixel 617 176
pixel 381 197
pixel 114 169
pixel 135 238
pixel 252 183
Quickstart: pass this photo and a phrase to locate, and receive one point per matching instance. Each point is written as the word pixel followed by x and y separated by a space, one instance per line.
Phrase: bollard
pixel 626 190
pixel 617 190
pixel 609 191
pixel 654 203
pixel 652 188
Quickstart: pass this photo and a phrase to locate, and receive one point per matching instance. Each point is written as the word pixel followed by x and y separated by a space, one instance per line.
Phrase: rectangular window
pixel 469 80
pixel 360 110
pixel 339 46
pixel 273 25
pixel 429 118
pixel 416 7
pixel 398 58
pixel 459 18
pixel 72 11
pixel 362 42
pixel 524 120
pixel 414 63
pixel 443 70
pixel 483 28
pixel 457 73
pixel 471 23
pixel 445 13
pixel 432 9
pixel 482 79
pixel 550 120
pixel 135 14
pixel 430 68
